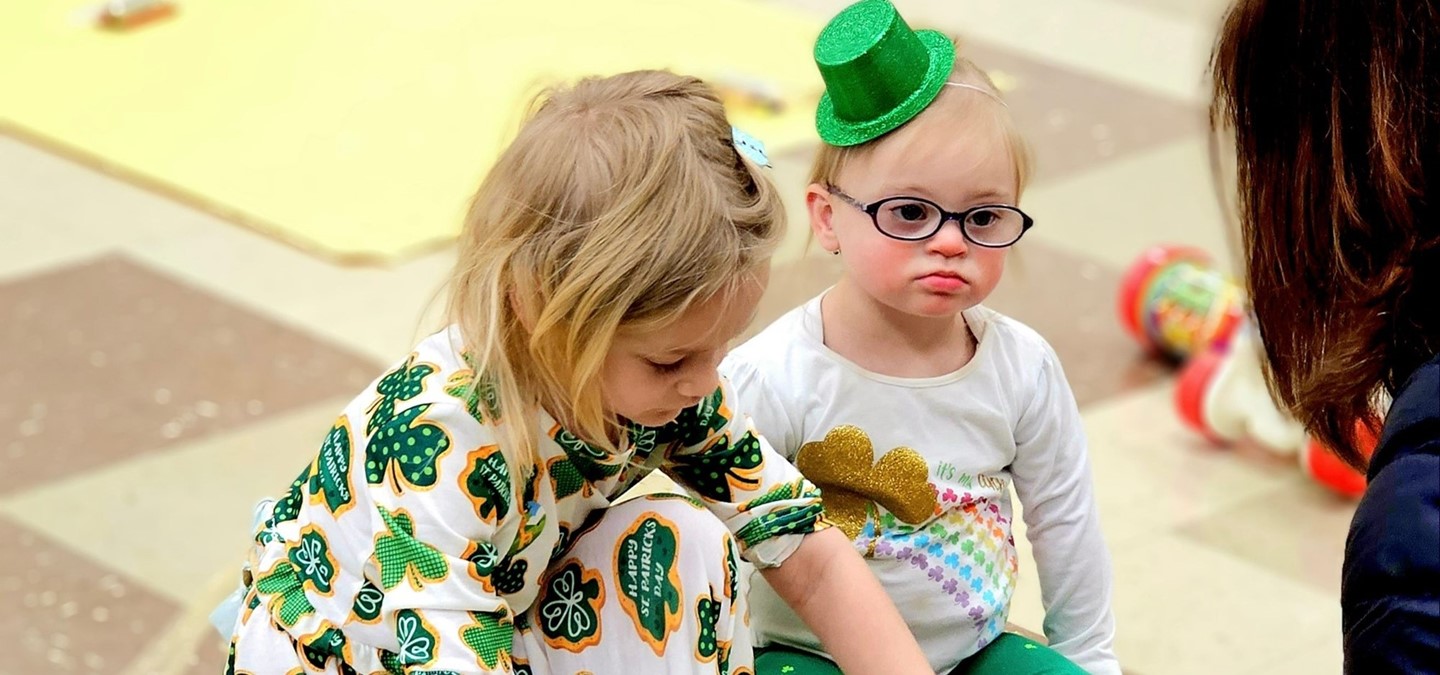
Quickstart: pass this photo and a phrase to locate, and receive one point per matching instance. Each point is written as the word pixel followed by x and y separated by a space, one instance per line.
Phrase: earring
pixel 836 251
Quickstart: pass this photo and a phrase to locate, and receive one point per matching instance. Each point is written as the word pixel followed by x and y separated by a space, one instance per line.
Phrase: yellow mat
pixel 357 129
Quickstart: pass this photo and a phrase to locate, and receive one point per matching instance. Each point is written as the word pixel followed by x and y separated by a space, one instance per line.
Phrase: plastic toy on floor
pixel 1176 302
pixel 129 14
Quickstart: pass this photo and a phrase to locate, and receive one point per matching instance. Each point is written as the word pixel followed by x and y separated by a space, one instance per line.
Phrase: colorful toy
pixel 1222 394
pixel 1175 302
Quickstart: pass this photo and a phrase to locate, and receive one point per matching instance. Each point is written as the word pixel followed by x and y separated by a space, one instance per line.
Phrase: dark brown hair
pixel 1335 108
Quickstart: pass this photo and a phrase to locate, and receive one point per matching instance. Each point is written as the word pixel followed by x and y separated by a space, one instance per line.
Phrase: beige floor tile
pixel 54 211
pixel 377 311
pixel 1113 213
pixel 172 520
pixel 1297 532
pixel 1153 475
pixel 1184 608
pixel 1203 14
pixel 1156 52
pixel 1323 657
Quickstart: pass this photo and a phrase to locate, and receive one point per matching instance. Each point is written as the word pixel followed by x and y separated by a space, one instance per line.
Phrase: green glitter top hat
pixel 879 74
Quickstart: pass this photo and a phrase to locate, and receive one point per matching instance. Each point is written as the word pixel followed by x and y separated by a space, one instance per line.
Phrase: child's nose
pixel 950 240
pixel 701 384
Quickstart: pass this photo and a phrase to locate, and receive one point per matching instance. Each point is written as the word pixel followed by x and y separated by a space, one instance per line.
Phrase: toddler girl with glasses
pixel 913 407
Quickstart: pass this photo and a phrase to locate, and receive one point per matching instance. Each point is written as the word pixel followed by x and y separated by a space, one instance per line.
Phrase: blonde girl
pixel 458 517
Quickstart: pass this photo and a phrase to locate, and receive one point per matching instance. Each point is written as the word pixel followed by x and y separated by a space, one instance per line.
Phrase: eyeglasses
pixel 916 219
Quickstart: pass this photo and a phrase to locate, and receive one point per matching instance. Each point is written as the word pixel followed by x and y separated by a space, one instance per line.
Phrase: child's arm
pixel 832 590
pixel 776 516
pixel 1053 482
pixel 441 491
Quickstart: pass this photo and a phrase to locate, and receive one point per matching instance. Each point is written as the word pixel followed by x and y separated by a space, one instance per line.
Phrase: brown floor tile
pixel 107 360
pixel 63 613
pixel 1071 302
pixel 1067 299
pixel 1074 121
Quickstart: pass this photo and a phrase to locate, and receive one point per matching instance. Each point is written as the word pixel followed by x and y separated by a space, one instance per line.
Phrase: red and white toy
pixel 1176 302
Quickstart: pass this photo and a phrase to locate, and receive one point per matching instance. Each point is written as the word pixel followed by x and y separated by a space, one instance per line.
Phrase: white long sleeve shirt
pixel 918 472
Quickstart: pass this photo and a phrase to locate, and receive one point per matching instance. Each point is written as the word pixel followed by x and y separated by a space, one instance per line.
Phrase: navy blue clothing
pixel 1390 592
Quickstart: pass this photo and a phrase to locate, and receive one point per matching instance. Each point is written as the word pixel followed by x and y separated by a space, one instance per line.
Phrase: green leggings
pixel 1009 654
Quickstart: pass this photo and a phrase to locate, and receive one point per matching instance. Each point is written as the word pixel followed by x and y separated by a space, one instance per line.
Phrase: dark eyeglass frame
pixel 873 210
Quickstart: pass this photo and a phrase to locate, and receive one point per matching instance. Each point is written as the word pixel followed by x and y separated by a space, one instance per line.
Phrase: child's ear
pixel 822 211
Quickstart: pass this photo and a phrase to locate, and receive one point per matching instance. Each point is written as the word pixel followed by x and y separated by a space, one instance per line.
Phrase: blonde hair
pixel 621 202
pixel 831 160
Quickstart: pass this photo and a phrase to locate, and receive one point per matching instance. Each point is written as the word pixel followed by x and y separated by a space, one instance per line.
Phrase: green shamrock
pixel 290 595
pixel 368 602
pixel 415 447
pixel 483 558
pixel 696 424
pixel 491 638
pixel 402 384
pixel 707 615
pixel 723 666
pixel 590 462
pixel 286 509
pixel 311 557
pixel 403 557
pixel 792 520
pixel 645 569
pixel 642 440
pixel 418 641
pixel 570 606
pixel 475 392
pixel 779 493
pixel 509 579
pixel 721 467
pixel 331 478
pixel 487 482
pixel 565 478
pixel 331 643
pixel 732 579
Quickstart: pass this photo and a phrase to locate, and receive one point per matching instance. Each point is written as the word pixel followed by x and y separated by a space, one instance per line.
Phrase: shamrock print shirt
pixel 404 537
pixel 919 472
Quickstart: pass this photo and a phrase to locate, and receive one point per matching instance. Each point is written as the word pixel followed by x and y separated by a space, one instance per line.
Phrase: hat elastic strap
pixel 982 90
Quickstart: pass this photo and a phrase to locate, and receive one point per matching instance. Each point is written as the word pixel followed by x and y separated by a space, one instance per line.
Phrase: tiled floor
pixel 160 369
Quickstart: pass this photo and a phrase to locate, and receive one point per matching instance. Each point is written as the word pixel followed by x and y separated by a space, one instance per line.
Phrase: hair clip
pixel 750 147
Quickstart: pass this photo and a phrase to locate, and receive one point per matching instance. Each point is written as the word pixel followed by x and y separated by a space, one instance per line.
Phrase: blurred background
pixel 216 224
